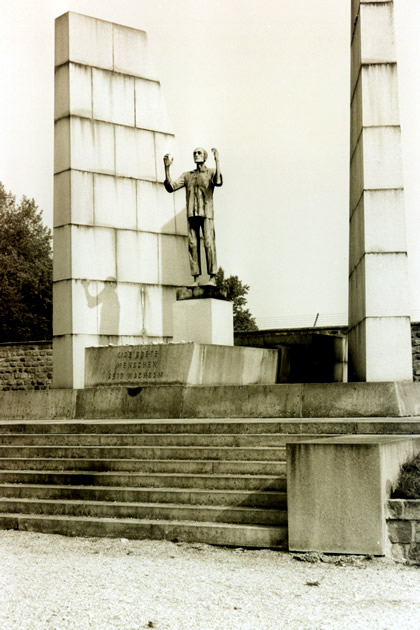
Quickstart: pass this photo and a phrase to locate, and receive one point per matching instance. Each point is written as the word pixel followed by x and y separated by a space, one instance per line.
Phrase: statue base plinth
pixel 200 292
pixel 203 320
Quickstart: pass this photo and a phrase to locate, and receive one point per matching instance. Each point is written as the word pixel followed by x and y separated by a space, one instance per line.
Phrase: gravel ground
pixel 54 582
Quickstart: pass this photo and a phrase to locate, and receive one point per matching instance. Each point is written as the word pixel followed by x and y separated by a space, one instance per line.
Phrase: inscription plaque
pixel 179 363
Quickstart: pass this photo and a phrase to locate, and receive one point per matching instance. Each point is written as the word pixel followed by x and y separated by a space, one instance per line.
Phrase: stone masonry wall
pixel 26 365
pixel 403 521
pixel 415 342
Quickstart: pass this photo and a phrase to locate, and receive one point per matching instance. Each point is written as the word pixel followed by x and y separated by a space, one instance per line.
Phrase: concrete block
pixel 357 234
pixel 92 304
pixel 388 349
pixel 382 163
pixel 386 279
pixel 174 266
pixel 113 97
pixel 73 91
pixel 155 208
pixel 62 261
pixel 84 40
pixel 73 198
pixel 356 57
pixel 62 307
pixel 62 198
pixel 93 253
pixel 380 95
pixel 151 110
pixel 337 489
pixel 131 53
pixel 357 350
pixel 356 114
pixel 61 145
pixel 115 202
pixel 69 360
pixel 164 143
pixel 137 257
pixel 135 153
pixel 207 321
pixel 92 146
pixel 357 174
pixel 189 363
pixel 153 305
pixel 377 32
pixel 357 293
pixel 384 226
pixel 131 300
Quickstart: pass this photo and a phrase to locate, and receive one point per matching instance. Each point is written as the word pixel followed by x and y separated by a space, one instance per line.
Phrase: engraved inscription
pixel 136 365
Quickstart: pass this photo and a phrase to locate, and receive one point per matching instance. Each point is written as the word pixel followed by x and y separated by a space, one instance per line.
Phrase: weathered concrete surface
pixel 337 491
pixel 179 363
pixel 203 320
pixel 333 400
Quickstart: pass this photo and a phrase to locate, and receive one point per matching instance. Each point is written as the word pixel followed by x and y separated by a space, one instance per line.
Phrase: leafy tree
pixel 25 271
pixel 235 292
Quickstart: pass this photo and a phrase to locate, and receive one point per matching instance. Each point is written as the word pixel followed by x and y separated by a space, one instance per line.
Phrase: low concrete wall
pixel 26 365
pixel 338 489
pixel 403 522
pixel 305 400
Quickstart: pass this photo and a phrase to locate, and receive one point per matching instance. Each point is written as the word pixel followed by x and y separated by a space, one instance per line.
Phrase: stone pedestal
pixel 205 320
pixel 379 322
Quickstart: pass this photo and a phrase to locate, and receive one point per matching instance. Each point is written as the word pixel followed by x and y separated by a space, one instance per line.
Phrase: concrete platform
pixel 307 400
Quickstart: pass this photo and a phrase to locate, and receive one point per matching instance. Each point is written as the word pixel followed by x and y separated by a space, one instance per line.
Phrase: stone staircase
pixel 219 482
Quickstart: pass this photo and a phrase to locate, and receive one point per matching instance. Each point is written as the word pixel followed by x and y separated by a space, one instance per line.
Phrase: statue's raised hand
pixel 168 159
pixel 215 153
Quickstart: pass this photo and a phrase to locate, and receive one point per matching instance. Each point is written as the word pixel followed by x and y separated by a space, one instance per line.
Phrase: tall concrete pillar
pixel 379 322
pixel 120 248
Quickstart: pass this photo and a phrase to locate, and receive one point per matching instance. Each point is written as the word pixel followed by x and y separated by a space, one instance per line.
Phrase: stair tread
pixel 137 489
pixel 142 521
pixel 139 474
pixel 136 504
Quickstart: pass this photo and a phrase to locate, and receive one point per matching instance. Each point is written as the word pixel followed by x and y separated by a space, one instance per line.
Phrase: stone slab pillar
pixel 206 321
pixel 379 322
pixel 120 248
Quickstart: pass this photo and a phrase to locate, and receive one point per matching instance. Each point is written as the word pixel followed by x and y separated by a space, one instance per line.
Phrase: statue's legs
pixel 194 225
pixel 210 246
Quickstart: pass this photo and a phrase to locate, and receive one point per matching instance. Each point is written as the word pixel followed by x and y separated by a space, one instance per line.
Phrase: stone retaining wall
pixel 403 520
pixel 415 342
pixel 26 365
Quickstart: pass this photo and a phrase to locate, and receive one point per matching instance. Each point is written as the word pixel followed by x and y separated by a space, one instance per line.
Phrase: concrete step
pixel 146 466
pixel 151 511
pixel 227 482
pixel 224 453
pixel 186 531
pixel 242 425
pixel 191 496
pixel 149 439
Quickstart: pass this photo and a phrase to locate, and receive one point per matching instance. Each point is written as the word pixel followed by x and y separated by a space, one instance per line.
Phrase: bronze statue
pixel 199 185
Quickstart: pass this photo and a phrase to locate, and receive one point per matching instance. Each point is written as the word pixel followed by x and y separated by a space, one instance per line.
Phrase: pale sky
pixel 267 83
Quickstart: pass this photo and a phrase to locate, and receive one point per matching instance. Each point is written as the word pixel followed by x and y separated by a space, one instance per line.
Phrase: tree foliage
pixel 25 271
pixel 236 291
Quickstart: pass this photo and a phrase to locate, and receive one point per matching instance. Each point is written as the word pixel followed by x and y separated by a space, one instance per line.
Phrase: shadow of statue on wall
pixel 107 299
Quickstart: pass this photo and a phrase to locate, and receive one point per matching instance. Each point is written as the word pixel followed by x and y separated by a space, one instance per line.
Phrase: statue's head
pixel 199 155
